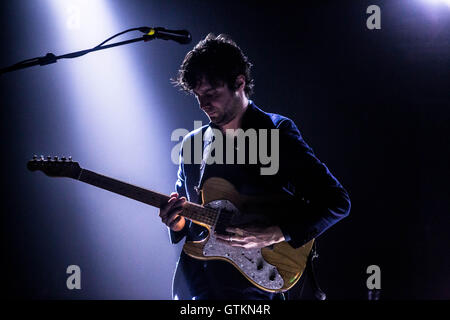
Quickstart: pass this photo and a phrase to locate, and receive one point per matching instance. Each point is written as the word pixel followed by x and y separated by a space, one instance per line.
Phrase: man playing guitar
pixel 217 73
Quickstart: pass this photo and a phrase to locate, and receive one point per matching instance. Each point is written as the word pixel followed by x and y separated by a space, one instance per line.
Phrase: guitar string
pixel 202 214
pixel 208 215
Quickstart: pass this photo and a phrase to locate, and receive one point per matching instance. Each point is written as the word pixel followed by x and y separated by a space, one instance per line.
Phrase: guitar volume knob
pixel 259 266
pixel 272 275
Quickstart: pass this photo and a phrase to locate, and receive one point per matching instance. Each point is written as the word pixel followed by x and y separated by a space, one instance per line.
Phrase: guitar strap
pixel 311 270
pixel 208 138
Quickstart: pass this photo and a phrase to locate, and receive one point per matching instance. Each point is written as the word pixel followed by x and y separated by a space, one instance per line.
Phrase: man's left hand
pixel 251 237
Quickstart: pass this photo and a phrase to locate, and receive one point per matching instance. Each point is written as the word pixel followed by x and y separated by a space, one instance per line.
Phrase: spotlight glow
pixel 434 2
pixel 110 104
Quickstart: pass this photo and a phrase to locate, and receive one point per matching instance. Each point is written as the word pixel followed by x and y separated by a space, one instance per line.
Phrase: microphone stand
pixel 51 58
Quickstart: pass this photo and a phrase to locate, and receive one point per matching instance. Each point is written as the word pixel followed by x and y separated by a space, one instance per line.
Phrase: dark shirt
pixel 321 199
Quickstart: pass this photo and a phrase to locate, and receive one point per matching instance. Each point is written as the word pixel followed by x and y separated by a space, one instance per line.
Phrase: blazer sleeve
pixel 322 200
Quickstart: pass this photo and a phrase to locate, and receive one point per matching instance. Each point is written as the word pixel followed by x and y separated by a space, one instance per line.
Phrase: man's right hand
pixel 169 213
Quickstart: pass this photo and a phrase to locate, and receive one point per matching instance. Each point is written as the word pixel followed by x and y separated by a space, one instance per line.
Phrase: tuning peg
pixel 63 158
pixel 55 158
pixel 70 158
pixel 49 158
pixel 34 157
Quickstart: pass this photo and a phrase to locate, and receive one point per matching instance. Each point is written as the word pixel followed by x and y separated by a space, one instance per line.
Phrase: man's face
pixel 219 103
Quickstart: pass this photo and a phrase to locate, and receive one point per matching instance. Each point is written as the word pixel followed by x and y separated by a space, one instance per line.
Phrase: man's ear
pixel 240 82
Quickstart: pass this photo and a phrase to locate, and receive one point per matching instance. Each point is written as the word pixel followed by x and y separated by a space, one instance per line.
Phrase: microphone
pixel 180 36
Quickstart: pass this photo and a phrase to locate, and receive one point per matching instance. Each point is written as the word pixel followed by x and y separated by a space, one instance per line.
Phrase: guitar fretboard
pixel 192 211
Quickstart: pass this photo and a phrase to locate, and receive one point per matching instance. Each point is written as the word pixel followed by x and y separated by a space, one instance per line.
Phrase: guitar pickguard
pixel 249 261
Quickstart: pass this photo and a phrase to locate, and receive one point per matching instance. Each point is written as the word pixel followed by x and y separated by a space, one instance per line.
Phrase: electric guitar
pixel 276 268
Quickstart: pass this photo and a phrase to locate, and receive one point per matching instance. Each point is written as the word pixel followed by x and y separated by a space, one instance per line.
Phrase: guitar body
pixel 275 269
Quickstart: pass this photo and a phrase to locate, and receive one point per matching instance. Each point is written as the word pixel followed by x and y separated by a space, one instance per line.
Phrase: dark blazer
pixel 322 200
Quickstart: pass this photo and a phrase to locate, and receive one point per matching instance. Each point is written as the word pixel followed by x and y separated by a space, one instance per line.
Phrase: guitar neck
pixel 191 211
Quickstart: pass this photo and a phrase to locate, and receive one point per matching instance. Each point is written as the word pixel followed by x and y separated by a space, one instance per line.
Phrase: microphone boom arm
pixel 50 58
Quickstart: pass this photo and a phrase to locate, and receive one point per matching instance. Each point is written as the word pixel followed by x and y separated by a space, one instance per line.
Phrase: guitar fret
pixel 200 214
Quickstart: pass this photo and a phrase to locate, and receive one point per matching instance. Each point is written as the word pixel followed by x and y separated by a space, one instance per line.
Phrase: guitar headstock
pixel 55 167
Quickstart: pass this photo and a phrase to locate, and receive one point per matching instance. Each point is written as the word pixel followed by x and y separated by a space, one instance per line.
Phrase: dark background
pixel 373 104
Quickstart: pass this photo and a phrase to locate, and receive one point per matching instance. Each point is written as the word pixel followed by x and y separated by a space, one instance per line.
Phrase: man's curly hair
pixel 219 60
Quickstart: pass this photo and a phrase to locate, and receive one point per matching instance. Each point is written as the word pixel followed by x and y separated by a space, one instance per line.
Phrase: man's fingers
pixel 176 209
pixel 237 231
pixel 222 236
pixel 173 214
pixel 241 244
pixel 171 210
pixel 173 202
pixel 166 207
pixel 233 237
pixel 174 222
pixel 235 234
